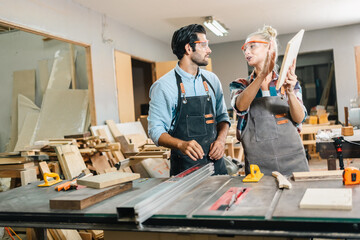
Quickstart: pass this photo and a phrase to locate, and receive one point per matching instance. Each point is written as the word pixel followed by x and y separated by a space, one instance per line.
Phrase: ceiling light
pixel 215 26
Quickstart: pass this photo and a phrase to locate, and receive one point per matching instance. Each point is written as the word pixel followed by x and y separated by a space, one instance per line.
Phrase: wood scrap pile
pixel 65 234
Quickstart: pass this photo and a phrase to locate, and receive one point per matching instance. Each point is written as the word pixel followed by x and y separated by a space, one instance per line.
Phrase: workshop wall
pixel 71 21
pixel 229 63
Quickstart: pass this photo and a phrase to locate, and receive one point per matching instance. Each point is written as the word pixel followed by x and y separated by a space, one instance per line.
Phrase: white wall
pixel 71 21
pixel 229 63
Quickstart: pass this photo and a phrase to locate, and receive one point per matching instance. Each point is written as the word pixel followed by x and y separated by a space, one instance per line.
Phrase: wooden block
pixel 54 167
pixel 44 168
pixel 108 179
pixel 318 175
pixel 283 182
pixel 86 197
pixel 347 131
pixel 85 235
pixel 113 129
pixel 97 234
pixel 69 234
pixel 100 163
pixel 126 146
pixel 327 198
pixel 313 120
pixel 79 135
pixel 70 159
pixel 28 176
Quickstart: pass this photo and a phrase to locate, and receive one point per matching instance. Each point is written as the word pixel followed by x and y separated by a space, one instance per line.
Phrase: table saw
pixel 265 210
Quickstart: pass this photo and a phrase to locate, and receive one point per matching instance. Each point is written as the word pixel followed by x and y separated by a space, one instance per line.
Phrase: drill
pixel 338 141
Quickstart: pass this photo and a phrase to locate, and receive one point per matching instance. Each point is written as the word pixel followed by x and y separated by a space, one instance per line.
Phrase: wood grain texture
pixel 318 175
pixel 108 179
pixel 87 197
pixel 327 198
pixel 70 159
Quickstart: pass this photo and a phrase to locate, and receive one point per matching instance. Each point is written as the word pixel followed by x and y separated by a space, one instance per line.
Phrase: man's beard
pixel 200 62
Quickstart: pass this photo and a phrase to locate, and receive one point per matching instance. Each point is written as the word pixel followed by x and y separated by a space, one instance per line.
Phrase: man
pixel 187 109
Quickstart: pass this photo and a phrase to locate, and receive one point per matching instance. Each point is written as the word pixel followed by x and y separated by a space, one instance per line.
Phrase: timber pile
pixel 65 234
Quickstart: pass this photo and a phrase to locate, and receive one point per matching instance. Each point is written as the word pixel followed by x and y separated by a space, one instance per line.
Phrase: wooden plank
pixel 125 89
pixel 17 166
pixel 318 175
pixel 357 65
pixel 327 198
pixel 25 106
pixel 44 168
pixel 107 179
pixel 12 160
pixel 78 135
pixel 70 159
pixel 44 75
pixel 23 83
pixel 25 138
pixel 87 197
pixel 290 55
pixel 113 128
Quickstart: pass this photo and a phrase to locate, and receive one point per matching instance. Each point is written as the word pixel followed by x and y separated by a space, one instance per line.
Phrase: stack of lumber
pixel 66 234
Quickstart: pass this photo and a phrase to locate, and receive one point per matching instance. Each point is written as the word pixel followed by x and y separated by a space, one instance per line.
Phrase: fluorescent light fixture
pixel 216 27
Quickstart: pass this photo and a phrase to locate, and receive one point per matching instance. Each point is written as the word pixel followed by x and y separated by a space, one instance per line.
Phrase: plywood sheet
pixel 44 75
pixel 130 128
pixel 156 167
pixel 26 135
pixel 86 197
pixel 70 159
pixel 124 83
pixel 108 179
pixel 23 83
pixel 291 53
pixel 60 76
pixel 63 112
pixel 327 198
pixel 25 106
pixel 104 128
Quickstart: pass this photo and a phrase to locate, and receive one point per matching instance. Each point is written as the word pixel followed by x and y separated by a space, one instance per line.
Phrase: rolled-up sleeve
pixel 236 87
pixel 160 112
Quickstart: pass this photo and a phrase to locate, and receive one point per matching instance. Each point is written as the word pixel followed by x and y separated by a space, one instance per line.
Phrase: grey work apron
pixel 195 120
pixel 271 140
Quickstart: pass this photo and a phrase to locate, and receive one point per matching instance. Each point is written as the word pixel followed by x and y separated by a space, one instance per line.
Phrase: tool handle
pixel 346 111
pixel 53 175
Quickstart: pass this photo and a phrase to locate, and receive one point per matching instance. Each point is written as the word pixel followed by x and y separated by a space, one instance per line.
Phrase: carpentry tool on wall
pixel 351 176
pixel 255 175
pixel 338 141
pixel 283 182
pixel 231 197
pixel 48 183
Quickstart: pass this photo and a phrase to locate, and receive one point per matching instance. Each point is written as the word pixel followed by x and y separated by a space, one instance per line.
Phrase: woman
pixel 269 120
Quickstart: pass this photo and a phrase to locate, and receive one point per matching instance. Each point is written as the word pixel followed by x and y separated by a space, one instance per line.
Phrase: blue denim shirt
pixel 164 99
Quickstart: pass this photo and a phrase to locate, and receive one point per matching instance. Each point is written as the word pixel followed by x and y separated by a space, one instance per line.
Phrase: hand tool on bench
pixel 255 174
pixel 69 184
pixel 48 183
pixel 351 176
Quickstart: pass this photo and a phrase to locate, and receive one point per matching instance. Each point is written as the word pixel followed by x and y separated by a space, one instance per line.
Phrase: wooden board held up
pixel 87 197
pixel 108 179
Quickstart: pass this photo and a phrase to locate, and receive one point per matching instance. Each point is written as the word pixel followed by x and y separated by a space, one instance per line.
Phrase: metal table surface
pixel 265 210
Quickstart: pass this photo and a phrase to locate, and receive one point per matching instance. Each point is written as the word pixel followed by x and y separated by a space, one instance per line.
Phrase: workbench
pixel 264 211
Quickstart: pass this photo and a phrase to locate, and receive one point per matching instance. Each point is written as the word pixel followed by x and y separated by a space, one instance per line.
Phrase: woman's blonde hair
pixel 268 34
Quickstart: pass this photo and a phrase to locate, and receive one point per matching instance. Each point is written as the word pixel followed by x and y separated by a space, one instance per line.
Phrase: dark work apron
pixel 270 138
pixel 195 120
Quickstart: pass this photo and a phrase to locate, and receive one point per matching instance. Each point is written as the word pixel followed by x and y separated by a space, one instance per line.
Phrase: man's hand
pixel 191 148
pixel 217 150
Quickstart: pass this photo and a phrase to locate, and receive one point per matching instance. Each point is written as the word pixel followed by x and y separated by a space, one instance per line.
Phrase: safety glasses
pixel 251 45
pixel 203 44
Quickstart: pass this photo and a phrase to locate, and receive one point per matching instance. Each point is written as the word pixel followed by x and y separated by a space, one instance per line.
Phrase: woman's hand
pixel 291 78
pixel 269 62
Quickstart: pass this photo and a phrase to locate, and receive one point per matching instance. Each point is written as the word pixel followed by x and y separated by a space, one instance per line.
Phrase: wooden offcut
pixel 70 159
pixel 87 197
pixel 283 182
pixel 108 179
pixel 318 175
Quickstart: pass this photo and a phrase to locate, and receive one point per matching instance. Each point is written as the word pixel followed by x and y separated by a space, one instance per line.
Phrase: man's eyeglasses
pixel 203 44
pixel 251 45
